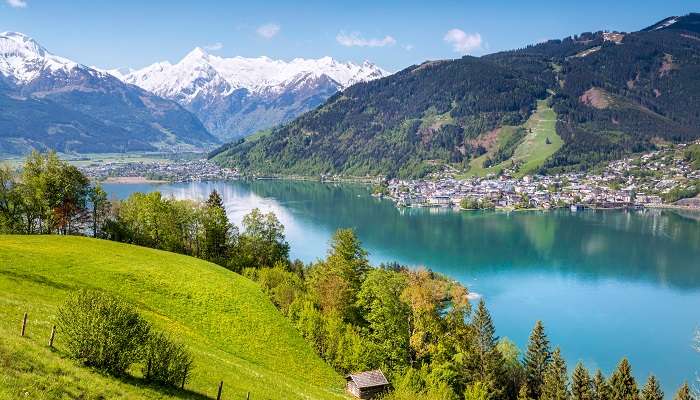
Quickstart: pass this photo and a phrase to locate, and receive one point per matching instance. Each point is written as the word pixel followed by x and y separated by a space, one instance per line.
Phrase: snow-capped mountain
pixel 51 102
pixel 237 96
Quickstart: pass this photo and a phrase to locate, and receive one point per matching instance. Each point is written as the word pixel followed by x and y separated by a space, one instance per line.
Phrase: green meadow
pixel 233 331
pixel 532 151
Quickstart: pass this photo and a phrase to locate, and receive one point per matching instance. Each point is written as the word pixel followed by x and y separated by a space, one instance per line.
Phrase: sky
pixel 392 34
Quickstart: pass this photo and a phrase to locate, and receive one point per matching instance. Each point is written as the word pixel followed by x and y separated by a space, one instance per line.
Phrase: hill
pixel 50 102
pixel 613 93
pixel 233 331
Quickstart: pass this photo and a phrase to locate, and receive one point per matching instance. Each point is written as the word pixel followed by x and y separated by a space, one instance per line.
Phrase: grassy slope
pixel 533 150
pixel 234 332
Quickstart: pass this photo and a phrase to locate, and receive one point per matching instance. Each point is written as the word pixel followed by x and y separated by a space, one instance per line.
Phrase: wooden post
pixel 247 396
pixel 53 335
pixel 184 376
pixel 148 371
pixel 24 324
pixel 221 386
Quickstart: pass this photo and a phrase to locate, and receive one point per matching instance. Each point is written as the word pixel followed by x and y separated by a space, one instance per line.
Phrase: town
pixel 653 179
pixel 168 171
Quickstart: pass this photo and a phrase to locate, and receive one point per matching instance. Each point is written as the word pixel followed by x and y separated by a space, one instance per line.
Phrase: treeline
pixel 420 328
pixel 48 196
pixel 51 196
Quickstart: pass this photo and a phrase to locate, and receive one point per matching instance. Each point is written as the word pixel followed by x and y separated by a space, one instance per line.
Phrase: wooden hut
pixel 366 385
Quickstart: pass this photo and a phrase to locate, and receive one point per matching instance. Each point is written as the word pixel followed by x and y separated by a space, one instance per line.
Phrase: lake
pixel 606 284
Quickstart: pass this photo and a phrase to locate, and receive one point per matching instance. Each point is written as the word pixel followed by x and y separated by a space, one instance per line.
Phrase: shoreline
pixel 131 180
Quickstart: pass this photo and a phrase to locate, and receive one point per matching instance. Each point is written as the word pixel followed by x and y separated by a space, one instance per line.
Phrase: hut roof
pixel 368 379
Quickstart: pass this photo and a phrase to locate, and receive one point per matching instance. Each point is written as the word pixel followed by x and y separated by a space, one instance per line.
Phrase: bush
pixel 102 331
pixel 166 362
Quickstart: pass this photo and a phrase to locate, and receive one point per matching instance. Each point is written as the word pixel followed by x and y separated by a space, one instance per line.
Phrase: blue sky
pixel 393 34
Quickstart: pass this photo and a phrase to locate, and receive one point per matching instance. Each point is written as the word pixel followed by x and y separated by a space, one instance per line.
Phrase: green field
pixel 233 331
pixel 532 151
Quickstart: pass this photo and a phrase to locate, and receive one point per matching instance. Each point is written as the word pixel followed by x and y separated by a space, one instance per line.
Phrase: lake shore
pixel 132 180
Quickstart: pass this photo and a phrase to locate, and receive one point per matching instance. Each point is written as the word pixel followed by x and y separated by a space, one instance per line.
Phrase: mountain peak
pixel 23 59
pixel 197 53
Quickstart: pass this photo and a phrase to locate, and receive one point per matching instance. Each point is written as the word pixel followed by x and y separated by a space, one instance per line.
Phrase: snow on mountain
pixel 22 59
pixel 257 75
pixel 237 96
pixel 51 102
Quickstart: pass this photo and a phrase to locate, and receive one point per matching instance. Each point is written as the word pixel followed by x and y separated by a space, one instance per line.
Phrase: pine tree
pixel 218 232
pixel 536 360
pixel 215 200
pixel 683 393
pixel 581 384
pixel 556 379
pixel 489 361
pixel 601 389
pixel 652 390
pixel 622 383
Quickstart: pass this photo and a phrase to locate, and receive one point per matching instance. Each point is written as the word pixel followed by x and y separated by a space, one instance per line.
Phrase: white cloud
pixel 407 47
pixel 214 46
pixel 354 39
pixel 462 42
pixel 17 3
pixel 268 31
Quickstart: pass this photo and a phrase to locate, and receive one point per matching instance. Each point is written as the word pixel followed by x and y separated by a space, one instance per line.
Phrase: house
pixel 366 385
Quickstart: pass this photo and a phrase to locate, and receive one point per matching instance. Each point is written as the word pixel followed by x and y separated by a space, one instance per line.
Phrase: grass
pixel 233 331
pixel 532 151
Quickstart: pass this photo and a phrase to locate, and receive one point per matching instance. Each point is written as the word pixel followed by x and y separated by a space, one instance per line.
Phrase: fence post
pixel 148 371
pixel 247 396
pixel 184 376
pixel 53 335
pixel 221 386
pixel 24 324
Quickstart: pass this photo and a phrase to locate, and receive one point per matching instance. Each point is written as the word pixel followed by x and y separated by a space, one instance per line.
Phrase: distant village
pixel 175 171
pixel 642 181
pixel 636 182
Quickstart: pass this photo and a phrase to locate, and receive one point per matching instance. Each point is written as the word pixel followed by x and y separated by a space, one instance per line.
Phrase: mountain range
pixel 51 102
pixel 237 96
pixel 560 105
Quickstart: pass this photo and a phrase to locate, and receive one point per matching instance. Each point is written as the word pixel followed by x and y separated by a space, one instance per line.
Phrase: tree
pixel 387 331
pixel 99 208
pixel 601 389
pixel 336 281
pixel 262 243
pixel 683 393
pixel 622 383
pixel 556 381
pixel 537 359
pixel 219 233
pixel 652 390
pixel 581 384
pixel 11 207
pixel 488 360
pixel 53 194
pixel 513 370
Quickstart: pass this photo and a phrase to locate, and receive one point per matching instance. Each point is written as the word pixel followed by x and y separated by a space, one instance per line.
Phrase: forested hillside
pixel 612 93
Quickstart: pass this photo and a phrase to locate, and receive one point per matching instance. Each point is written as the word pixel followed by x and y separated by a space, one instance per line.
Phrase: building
pixel 366 385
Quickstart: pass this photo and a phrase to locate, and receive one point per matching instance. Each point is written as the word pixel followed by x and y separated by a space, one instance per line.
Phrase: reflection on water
pixel 597 278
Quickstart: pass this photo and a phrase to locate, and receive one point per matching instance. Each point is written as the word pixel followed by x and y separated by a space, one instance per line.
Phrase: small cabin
pixel 366 385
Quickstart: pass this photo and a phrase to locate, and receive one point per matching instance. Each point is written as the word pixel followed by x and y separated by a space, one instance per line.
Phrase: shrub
pixel 101 330
pixel 165 362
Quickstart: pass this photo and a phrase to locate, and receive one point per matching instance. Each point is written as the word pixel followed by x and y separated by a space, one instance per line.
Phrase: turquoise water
pixel 607 284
